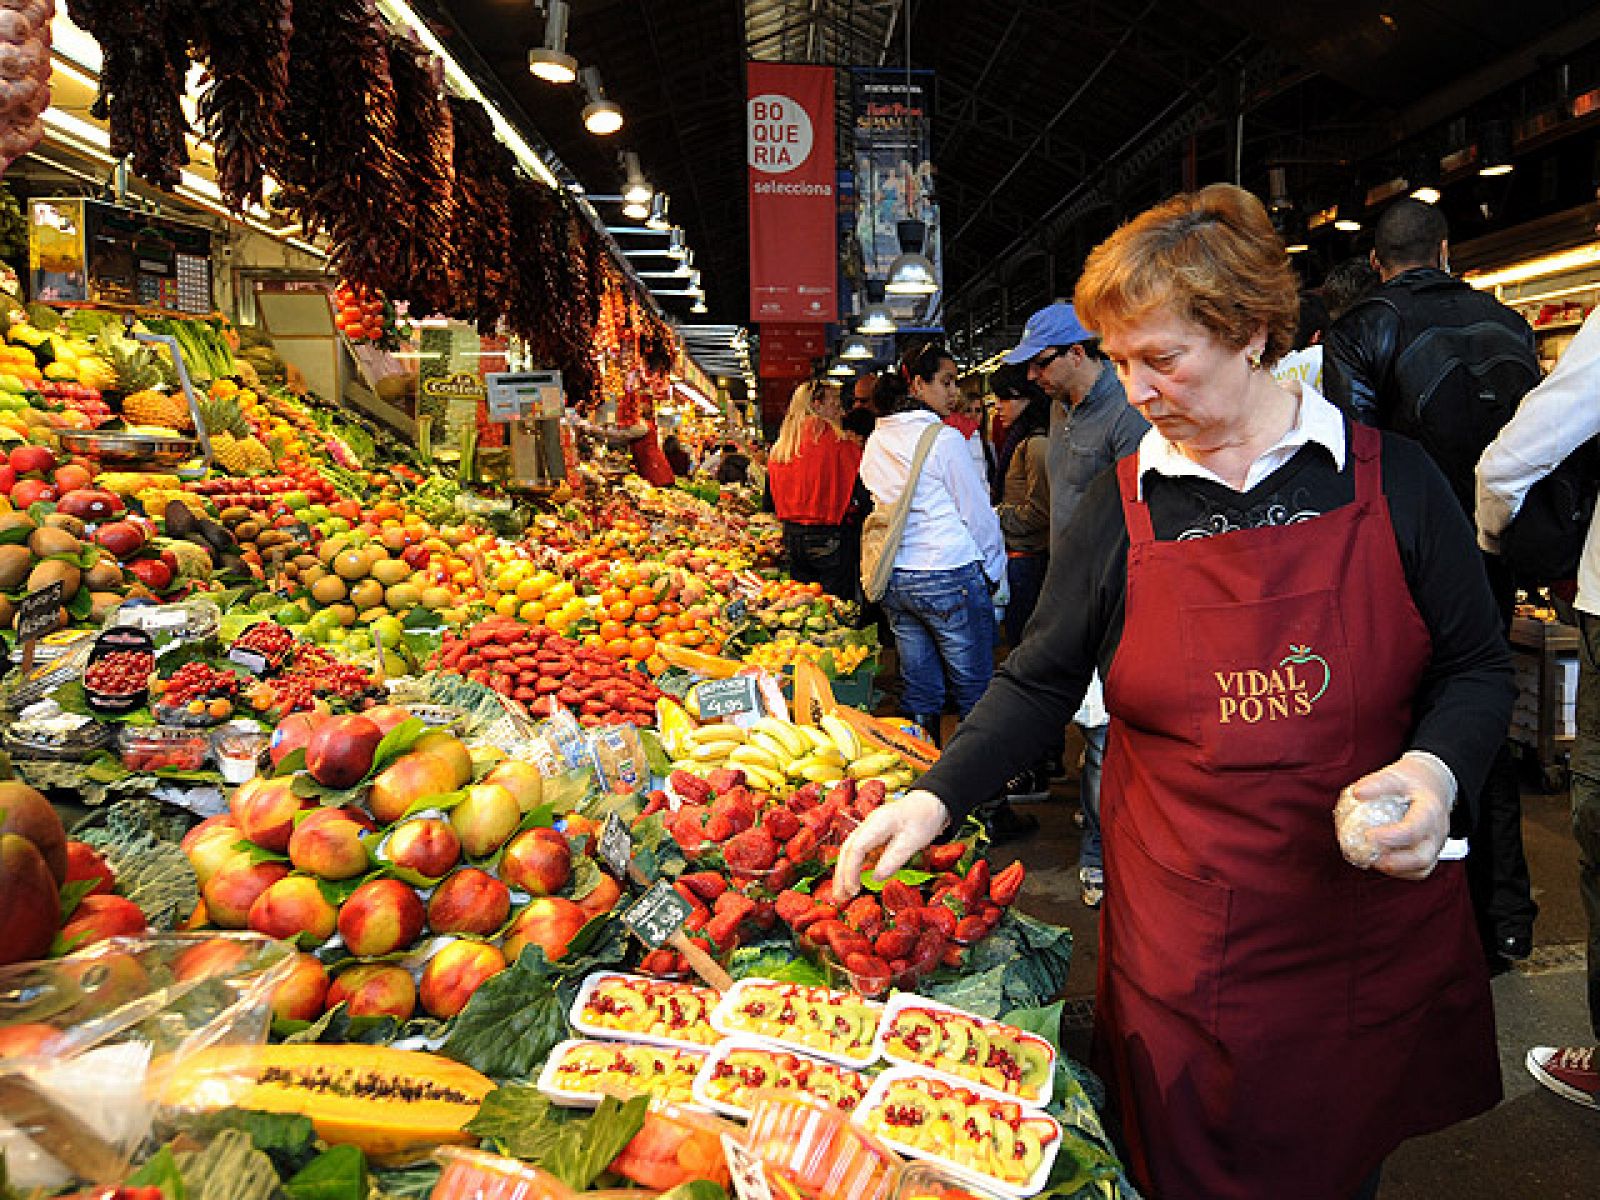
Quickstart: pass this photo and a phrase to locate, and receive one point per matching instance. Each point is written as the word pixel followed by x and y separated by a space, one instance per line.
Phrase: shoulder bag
pixel 881 532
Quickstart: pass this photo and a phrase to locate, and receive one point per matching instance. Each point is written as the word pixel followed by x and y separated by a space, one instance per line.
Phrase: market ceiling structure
pixel 1053 120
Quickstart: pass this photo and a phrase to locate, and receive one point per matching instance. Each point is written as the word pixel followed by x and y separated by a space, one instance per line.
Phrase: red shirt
pixel 813 488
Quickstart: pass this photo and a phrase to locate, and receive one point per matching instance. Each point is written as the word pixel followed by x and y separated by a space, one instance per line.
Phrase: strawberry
pixel 942 858
pixel 1003 888
pixel 895 943
pixel 791 903
pixel 975 887
pixel 723 929
pixel 806 797
pixel 752 850
pixel 782 824
pixel 844 941
pixel 899 896
pixel 725 779
pixel 659 962
pixel 806 918
pixel 939 919
pixel 737 903
pixel 783 874
pixel 719 828
pixel 868 972
pixel 870 794
pixel 955 956
pixel 823 892
pixel 691 788
pixel 706 885
pixel 657 802
pixel 802 846
pixel 910 919
pixel 970 929
pixel 738 806
pixel 864 915
pixel 843 793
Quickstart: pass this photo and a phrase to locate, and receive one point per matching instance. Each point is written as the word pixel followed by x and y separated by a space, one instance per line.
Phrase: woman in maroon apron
pixel 1279 616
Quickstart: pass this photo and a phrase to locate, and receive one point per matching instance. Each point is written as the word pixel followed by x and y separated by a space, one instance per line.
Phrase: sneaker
pixel 1569 1071
pixel 1091 886
pixel 1515 946
pixel 1027 787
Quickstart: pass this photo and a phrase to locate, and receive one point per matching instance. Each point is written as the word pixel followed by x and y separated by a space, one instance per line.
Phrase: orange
pixel 594 641
pixel 612 595
pixel 611 630
pixel 692 637
pixel 671 608
pixel 622 610
pixel 506 606
pixel 646 614
pixel 617 646
pixel 532 612
pixel 642 647
pixel 641 594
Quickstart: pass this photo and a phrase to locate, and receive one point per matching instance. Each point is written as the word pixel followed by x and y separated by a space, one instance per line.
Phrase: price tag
pixel 658 915
pixel 749 1173
pixel 250 660
pixel 39 612
pixel 300 532
pixel 736 612
pixel 616 847
pixel 727 697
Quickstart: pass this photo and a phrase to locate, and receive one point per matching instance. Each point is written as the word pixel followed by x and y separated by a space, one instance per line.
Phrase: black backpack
pixel 1544 541
pixel 1461 379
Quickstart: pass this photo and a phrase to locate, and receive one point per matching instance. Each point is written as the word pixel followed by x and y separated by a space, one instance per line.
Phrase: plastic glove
pixel 901 828
pixel 1396 819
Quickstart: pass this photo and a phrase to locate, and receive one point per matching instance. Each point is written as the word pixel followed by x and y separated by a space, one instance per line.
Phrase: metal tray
pixel 123 447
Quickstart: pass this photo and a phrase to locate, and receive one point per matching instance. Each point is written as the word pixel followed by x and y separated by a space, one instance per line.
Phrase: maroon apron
pixel 1273 1021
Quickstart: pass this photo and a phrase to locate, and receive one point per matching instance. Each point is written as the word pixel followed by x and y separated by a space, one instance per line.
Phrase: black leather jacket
pixel 1359 355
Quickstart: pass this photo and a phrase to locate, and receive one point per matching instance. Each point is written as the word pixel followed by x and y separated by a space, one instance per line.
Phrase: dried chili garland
pixel 426 128
pixel 144 63
pixel 480 245
pixel 244 46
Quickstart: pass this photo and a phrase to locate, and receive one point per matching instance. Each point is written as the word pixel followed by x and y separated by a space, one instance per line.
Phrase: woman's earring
pixel 1255 361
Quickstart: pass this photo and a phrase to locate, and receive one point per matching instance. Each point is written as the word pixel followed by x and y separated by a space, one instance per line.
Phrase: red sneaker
pixel 1569 1071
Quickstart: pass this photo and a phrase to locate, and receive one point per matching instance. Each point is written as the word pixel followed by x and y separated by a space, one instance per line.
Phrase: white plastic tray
pixel 550 1082
pixel 719 1053
pixel 1034 1183
pixel 904 1000
pixel 722 1022
pixel 607 1033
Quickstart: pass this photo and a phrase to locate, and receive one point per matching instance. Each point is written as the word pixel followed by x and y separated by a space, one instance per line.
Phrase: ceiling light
pixel 911 275
pixel 601 117
pixel 877 320
pixel 657 219
pixel 636 188
pixel 1428 195
pixel 1494 149
pixel 840 370
pixel 675 246
pixel 551 62
pixel 634 211
pixel 699 306
pixel 1346 224
pixel 855 348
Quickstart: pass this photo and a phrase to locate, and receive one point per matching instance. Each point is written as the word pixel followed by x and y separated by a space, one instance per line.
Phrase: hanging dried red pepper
pixel 145 60
pixel 244 47
pixel 427 145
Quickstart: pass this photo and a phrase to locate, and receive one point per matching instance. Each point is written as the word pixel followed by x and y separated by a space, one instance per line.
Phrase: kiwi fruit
pixel 247 530
pixel 15 563
pixel 103 576
pixel 104 604
pixel 8 613
pixel 48 540
pixel 72 525
pixel 237 514
pixel 12 521
pixel 47 572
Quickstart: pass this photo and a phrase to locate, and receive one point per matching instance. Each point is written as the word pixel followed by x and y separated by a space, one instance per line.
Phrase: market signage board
pixel 728 697
pixel 658 915
pixel 514 396
pixel 616 846
pixel 794 266
pixel 37 614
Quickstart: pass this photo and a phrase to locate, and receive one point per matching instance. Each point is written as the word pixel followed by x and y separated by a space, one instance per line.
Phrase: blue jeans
pixel 1026 575
pixel 943 624
pixel 1094 753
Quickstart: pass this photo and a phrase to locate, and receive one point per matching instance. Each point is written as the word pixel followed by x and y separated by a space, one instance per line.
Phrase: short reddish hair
pixel 1212 256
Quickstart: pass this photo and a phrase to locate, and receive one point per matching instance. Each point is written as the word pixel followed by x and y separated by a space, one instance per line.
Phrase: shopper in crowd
pixel 1346 284
pixel 951 560
pixel 1419 356
pixel 1304 360
pixel 733 466
pixel 967 420
pixel 1553 420
pixel 1271 1020
pixel 1021 490
pixel 677 456
pixel 813 468
pixel 861 419
pixel 1092 426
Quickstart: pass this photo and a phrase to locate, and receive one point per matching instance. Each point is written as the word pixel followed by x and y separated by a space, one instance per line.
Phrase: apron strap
pixel 1366 444
pixel 1135 512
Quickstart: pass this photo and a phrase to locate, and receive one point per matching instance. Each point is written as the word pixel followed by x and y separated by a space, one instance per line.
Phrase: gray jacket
pixel 1086 441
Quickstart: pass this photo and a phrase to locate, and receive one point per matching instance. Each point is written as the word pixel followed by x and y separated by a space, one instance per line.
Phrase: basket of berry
pixel 264 648
pixel 117 677
pixel 196 695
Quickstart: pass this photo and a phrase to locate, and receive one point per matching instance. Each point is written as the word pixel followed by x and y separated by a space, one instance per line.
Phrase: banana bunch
pixel 776 755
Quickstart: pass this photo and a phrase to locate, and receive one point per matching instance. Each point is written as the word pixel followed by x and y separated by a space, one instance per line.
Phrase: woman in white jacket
pixel 951 560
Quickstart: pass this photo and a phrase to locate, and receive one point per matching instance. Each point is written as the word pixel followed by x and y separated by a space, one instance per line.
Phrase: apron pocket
pixel 1270 683
pixel 1171 934
pixel 1409 937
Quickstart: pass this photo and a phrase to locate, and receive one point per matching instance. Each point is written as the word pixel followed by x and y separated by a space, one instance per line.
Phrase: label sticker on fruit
pixel 727 697
pixel 616 847
pixel 39 612
pixel 748 1173
pixel 659 914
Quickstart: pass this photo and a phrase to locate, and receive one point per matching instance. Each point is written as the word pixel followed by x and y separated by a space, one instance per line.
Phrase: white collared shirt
pixel 1316 421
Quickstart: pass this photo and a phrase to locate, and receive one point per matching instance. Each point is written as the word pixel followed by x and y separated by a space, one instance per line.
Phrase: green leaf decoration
pixel 338 1173
pixel 160 1171
pixel 292 763
pixel 512 1021
pixel 396 742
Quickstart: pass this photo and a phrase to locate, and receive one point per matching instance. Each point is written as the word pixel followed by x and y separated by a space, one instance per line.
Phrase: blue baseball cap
pixel 1055 325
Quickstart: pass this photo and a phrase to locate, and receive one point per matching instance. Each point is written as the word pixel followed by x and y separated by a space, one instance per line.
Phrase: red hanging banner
pixel 793 224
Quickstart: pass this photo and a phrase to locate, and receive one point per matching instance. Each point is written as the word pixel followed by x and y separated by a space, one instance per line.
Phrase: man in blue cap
pixel 1092 425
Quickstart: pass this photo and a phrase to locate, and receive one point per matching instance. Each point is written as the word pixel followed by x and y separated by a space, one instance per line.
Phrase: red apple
pixel 29 898
pixel 381 916
pixel 26 492
pixel 8 479
pixel 457 970
pixel 121 539
pixel 386 716
pixel 100 917
pixel 152 572
pixel 469 901
pixel 292 734
pixel 291 907
pixel 304 991
pixel 549 922
pixel 266 809
pixel 32 459
pixel 537 863
pixel 72 476
pixel 374 990
pixel 339 754
pixel 327 843
pixel 426 845
pixel 234 887
pixel 410 778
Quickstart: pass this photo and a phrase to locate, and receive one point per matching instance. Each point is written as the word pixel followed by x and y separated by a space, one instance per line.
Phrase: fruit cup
pixel 674 1146
pixel 810 1148
pixel 238 746
pixel 924 1181
pixel 479 1175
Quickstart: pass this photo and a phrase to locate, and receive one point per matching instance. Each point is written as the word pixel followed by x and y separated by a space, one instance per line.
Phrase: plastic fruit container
pixel 811 1149
pixel 580 1072
pixel 736 1071
pixel 159 747
pixel 924 1181
pixel 837 1026
pixel 674 1146
pixel 990 1056
pixel 479 1175
pixel 238 746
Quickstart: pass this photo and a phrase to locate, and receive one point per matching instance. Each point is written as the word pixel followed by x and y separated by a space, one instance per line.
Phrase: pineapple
pixel 156 408
pixel 133 368
pixel 221 415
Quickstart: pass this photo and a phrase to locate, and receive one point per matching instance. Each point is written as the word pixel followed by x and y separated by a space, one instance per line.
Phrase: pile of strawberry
pixel 754 849
pixel 537 666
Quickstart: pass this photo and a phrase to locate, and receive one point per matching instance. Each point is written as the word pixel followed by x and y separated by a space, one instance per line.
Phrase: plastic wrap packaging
pixel 1354 819
pixel 79 1035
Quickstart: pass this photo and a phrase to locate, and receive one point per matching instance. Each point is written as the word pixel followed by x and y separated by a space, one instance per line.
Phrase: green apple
pixel 389 631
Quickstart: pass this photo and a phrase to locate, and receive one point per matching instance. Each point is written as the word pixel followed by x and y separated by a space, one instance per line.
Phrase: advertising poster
pixel 894 173
pixel 790 152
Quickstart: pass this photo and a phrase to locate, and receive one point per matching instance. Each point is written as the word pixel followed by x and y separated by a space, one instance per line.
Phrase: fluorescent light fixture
pixel 1297 246
pixel 840 370
pixel 911 275
pixel 699 306
pixel 1494 149
pixel 636 189
pixel 635 211
pixel 855 348
pixel 550 61
pixel 1346 224
pixel 601 117
pixel 1428 195
pixel 675 246
pixel 1537 268
pixel 877 320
